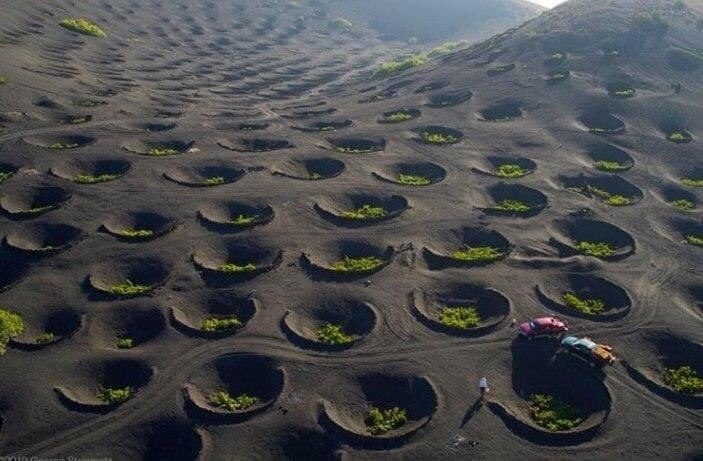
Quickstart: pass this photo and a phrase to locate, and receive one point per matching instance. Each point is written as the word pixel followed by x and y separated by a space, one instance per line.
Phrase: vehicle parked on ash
pixel 596 355
pixel 552 327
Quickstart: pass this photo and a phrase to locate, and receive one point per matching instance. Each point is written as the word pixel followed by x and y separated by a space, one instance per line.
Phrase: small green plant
pixel 477 254
pixel 11 326
pixel 333 335
pixel 90 103
pixel 125 343
pixel 46 338
pixel 215 324
pixel 607 165
pixel 459 318
pixel 223 399
pixel 5 175
pixel 136 233
pixel 62 146
pixel 314 176
pixel 3 80
pixel 83 26
pixel 366 213
pixel 586 306
pixel 357 265
pixel 394 67
pixel 90 179
pixel 115 396
pixel 511 206
pixel 341 24
pixel 438 138
pixel 553 414
pixel 379 421
pixel 443 49
pixel 129 289
pixel 78 119
pixel 40 209
pixel 232 268
pixel 692 182
pixel 162 151
pixel 558 76
pixel 683 204
pixel 243 220
pixel 696 240
pixel 399 116
pixel 215 181
pixel 683 379
pixel 678 137
pixel 413 180
pixel 624 93
pixel 596 249
pixel 353 150
pixel 608 198
pixel 510 171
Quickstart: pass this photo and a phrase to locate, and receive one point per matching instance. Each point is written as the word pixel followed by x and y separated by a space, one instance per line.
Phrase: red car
pixel 543 326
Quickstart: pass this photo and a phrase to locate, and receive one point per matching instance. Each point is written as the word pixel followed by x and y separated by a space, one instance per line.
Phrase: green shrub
pixel 683 379
pixel 678 137
pixel 356 265
pixel 459 318
pixel 314 176
pixel 333 335
pixel 477 254
pixel 3 80
pixel 553 414
pixel 341 24
pixel 696 240
pixel 413 180
pixel 606 165
pixel 90 179
pixel 511 206
pixel 116 395
pixel 78 119
pixel 214 324
pixel 40 209
pixel 90 103
pixel 214 181
pixel 510 171
pixel 62 146
pixel 5 175
pixel 83 26
pixel 223 399
pixel 162 151
pixel 690 182
pixel 125 343
pixel 399 116
pixel 394 67
pixel 136 233
pixel 46 338
pixel 443 49
pixel 597 249
pixel 366 213
pixel 11 326
pixel 351 150
pixel 608 198
pixel 232 268
pixel 129 289
pixel 586 306
pixel 624 93
pixel 683 204
pixel 381 421
pixel 243 220
pixel 438 138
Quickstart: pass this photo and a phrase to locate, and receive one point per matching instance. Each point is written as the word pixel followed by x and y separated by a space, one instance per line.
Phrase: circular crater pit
pixel 101 386
pixel 59 142
pixel 213 315
pixel 678 136
pixel 311 169
pixel 46 326
pixel 173 439
pixel 691 231
pixel 30 203
pixel 204 175
pixel 324 126
pixel 432 86
pixel 12 273
pixel 132 325
pixel 234 260
pixel 449 99
pixel 93 171
pixel 467 247
pixel 504 112
pixel 535 373
pixel 296 444
pixel 584 296
pixel 515 200
pixel 152 127
pixel 315 324
pixel 7 170
pixel 252 126
pixel 74 119
pixel 347 259
pixel 235 216
pixel 505 167
pixel 361 209
pixel 415 174
pixel 255 144
pixel 682 199
pixel 399 115
pixel 461 309
pixel 611 190
pixel 601 122
pixel 437 135
pixel 233 388
pixel 347 416
pixel 591 237
pixel 44 238
pixel 610 158
pixel 357 145
pixel 129 277
pixel 659 368
pixel 159 148
pixel 139 226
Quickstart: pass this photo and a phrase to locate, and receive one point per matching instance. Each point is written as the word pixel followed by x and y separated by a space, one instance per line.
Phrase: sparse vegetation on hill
pixel 596 249
pixel 609 166
pixel 129 289
pixel 136 233
pixel 214 324
pixel 477 254
pixel 412 180
pixel 511 206
pixel 215 181
pixel 90 179
pixel 379 421
pixel 232 268
pixel 683 205
pixel 357 265
pixel 161 151
pixel 333 335
pixel 115 396
pixel 587 306
pixel 683 379
pixel 510 171
pixel 11 326
pixel 366 213
pixel 608 198
pixel 394 67
pixel 243 220
pixel 223 399
pixel 438 139
pixel 83 26
pixel 459 318
pixel 552 414
pixel 399 116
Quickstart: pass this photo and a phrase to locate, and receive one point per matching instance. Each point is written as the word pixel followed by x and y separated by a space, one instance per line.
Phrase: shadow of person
pixel 472 411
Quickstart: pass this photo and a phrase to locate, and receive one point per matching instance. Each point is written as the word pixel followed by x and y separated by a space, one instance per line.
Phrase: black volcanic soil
pixel 271 107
